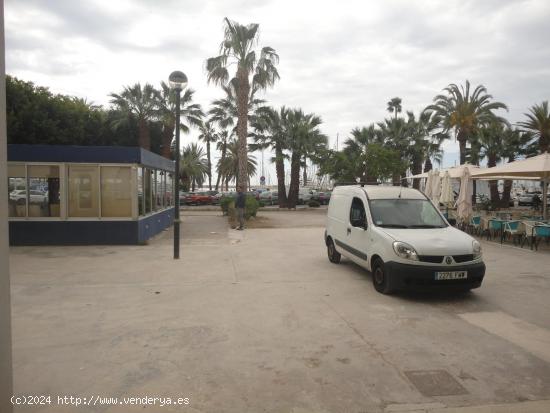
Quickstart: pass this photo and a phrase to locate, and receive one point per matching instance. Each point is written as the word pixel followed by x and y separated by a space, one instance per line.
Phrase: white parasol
pixel 436 187
pixel 464 201
pixel 447 197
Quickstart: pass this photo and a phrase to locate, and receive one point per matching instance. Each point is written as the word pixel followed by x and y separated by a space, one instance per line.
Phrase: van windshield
pixel 405 213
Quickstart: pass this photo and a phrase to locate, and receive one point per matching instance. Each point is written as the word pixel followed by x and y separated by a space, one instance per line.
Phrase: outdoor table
pixel 497 224
pixel 505 215
pixel 531 230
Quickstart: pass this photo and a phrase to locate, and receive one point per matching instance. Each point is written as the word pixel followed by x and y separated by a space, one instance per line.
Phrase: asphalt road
pixel 261 321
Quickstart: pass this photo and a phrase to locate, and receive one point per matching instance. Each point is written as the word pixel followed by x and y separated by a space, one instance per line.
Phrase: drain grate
pixel 435 383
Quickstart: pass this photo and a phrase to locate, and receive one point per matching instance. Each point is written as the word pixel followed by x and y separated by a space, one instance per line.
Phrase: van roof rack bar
pixel 361 183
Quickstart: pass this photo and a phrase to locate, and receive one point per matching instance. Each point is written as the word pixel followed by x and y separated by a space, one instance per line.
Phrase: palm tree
pixel 394 106
pixel 223 137
pixel 516 143
pixel 490 141
pixel 190 115
pixel 356 148
pixel 424 142
pixel 254 71
pixel 193 166
pixel 224 111
pixel 208 135
pixel 141 103
pixel 465 112
pixel 538 122
pixel 269 132
pixel 303 132
pixel 395 135
pixel 230 167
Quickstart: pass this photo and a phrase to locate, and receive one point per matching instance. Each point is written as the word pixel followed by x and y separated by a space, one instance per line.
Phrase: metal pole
pixel 6 378
pixel 544 200
pixel 177 187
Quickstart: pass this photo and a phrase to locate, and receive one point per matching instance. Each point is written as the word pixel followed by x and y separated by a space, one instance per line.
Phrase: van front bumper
pixel 422 277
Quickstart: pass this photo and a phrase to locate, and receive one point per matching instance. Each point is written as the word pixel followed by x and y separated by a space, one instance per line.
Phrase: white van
pixel 401 238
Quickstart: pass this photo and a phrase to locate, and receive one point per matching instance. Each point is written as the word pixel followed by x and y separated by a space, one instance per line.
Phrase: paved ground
pixel 260 321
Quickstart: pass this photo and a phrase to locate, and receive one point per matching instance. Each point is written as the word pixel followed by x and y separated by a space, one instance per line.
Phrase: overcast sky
pixel 342 60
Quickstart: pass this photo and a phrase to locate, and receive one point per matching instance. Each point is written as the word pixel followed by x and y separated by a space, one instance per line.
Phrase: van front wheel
pixel 380 278
pixel 333 255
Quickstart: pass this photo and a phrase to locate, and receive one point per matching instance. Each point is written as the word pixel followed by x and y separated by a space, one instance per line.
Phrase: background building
pixel 87 194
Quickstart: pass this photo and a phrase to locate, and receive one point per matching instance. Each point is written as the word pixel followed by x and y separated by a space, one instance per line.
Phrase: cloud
pixel 341 60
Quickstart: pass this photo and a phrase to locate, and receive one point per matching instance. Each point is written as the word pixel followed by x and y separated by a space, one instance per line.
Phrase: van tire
pixel 380 278
pixel 333 255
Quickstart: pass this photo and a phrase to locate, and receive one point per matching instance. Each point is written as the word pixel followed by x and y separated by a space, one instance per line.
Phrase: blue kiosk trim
pixel 56 190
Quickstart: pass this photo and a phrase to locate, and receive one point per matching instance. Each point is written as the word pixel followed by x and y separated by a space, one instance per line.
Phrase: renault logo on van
pixel 448 260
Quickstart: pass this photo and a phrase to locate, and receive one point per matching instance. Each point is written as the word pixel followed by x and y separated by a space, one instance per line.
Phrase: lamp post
pixel 178 82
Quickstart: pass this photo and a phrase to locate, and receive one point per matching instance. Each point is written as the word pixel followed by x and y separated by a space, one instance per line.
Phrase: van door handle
pixel 349 231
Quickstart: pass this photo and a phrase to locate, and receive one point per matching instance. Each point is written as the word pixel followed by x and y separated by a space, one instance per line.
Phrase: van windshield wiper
pixel 393 226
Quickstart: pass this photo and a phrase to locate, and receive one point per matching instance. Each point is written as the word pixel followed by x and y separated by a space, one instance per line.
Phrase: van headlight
pixel 476 246
pixel 404 250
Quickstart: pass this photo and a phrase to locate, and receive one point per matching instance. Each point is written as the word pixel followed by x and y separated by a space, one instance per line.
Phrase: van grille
pixel 463 258
pixel 436 259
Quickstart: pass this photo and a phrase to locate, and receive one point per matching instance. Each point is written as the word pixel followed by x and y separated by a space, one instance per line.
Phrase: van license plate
pixel 451 275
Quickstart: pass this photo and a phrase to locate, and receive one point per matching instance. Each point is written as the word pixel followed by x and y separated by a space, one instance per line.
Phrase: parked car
pixel 526 199
pixel 322 197
pixel 215 195
pixel 35 197
pixel 198 198
pixel 253 194
pixel 269 197
pixel 401 238
pixel 183 198
pixel 304 195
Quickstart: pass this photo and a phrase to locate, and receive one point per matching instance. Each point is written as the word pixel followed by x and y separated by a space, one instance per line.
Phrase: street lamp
pixel 178 82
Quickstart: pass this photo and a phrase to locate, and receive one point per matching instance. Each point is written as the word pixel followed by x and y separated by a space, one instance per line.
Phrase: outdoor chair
pixel 513 229
pixel 495 227
pixel 528 231
pixel 484 225
pixel 541 232
pixel 475 224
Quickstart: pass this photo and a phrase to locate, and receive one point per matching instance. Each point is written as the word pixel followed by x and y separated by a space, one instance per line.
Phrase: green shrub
pixel 314 204
pixel 261 204
pixel 224 203
pixel 251 206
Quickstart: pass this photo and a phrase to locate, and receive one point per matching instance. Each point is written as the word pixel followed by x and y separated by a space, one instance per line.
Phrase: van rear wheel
pixel 333 255
pixel 380 278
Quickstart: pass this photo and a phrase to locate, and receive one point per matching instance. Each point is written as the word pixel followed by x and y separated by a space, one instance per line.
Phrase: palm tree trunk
pixel 462 139
pixel 544 142
pixel 428 165
pixel 305 170
pixel 209 165
pixel 224 149
pixel 416 168
pixel 242 124
pixel 280 169
pixel 493 184
pixel 294 180
pixel 506 193
pixel 167 135
pixel 396 179
pixel 144 137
